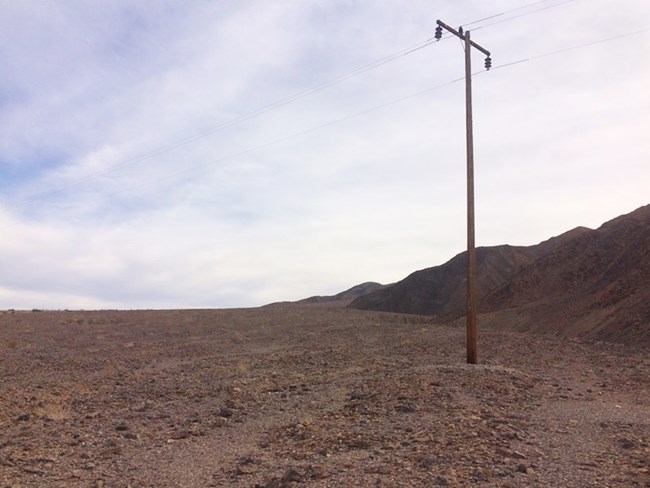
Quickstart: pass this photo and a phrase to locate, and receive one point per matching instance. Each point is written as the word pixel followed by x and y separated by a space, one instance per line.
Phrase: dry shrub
pixel 243 366
pixel 54 410
pixel 59 403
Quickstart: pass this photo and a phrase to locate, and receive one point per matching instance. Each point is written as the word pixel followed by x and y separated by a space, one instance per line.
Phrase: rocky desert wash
pixel 312 396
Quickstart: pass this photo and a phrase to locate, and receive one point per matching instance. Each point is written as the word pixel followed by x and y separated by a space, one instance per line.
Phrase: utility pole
pixel 471 247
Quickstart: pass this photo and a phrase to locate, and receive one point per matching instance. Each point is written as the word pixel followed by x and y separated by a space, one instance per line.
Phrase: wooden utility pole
pixel 472 353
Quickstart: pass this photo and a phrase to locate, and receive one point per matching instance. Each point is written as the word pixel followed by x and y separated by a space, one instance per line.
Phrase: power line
pixel 446 36
pixel 504 13
pixel 571 48
pixel 394 102
pixel 237 120
pixel 285 138
pixel 267 108
pixel 273 142
pixel 521 15
pixel 361 113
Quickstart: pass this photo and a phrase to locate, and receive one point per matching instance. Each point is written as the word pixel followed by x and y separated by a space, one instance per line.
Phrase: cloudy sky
pixel 230 153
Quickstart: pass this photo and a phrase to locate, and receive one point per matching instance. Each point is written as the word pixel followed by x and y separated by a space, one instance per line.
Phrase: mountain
pixel 350 294
pixel 345 296
pixel 595 285
pixel 585 283
pixel 441 290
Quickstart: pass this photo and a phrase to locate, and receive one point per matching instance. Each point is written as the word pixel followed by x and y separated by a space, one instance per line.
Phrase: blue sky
pixel 125 183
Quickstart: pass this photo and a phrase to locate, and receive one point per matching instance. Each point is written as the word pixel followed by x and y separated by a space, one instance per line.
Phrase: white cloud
pixel 560 141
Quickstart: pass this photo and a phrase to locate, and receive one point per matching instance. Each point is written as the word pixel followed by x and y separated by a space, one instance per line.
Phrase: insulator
pixel 438 33
pixel 488 62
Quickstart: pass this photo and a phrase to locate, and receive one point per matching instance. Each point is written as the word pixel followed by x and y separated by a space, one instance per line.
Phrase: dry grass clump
pixel 58 405
pixel 54 410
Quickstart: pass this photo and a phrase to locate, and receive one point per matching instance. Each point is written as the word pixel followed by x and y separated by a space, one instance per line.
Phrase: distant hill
pixel 345 296
pixel 585 283
pixel 350 294
pixel 441 290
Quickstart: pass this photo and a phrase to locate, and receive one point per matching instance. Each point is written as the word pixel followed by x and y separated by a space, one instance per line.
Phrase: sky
pixel 234 153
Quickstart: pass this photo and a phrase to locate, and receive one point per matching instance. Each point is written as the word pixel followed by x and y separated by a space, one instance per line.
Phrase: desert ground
pixel 312 396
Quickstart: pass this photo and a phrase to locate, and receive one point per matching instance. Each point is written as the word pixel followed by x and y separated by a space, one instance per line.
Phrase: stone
pixel 441 481
pixel 180 434
pixel 291 475
pixel 357 395
pixel 225 412
pixel 219 422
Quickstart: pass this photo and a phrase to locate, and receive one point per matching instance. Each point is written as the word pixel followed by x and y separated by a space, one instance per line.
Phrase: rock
pixel 180 434
pixel 441 481
pixel 23 418
pixel 291 475
pixel 219 422
pixel 121 427
pixel 143 407
pixel 112 451
pixel 272 483
pixel 317 473
pixel 225 413
pixel 245 469
pixel 405 408
pixel 642 479
pixel 522 468
pixel 357 395
pixel 626 443
pixel 510 436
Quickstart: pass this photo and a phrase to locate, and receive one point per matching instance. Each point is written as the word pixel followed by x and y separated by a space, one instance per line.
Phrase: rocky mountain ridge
pixel 343 297
pixel 584 283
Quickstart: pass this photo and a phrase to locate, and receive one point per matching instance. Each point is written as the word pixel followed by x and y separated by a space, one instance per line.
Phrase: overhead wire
pixel 279 103
pixel 504 13
pixel 364 112
pixel 571 48
pixel 288 137
pixel 269 143
pixel 521 15
pixel 232 122
pixel 509 18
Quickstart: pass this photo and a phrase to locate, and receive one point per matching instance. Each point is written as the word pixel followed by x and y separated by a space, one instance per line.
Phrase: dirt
pixel 311 396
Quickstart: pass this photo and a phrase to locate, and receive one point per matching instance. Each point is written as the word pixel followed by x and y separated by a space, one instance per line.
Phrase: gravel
pixel 314 396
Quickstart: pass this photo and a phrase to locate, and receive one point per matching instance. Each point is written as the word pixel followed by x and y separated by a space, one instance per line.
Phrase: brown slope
pixel 350 294
pixel 596 285
pixel 585 283
pixel 344 297
pixel 440 290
